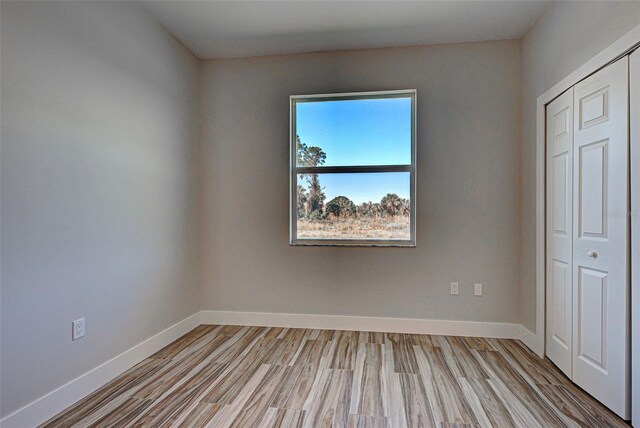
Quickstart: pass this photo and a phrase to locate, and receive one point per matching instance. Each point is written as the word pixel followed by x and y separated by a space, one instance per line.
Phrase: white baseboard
pixel 342 322
pixel 530 340
pixel 59 399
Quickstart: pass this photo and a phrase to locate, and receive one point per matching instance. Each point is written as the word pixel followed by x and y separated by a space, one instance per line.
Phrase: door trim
pixel 619 48
pixel 634 108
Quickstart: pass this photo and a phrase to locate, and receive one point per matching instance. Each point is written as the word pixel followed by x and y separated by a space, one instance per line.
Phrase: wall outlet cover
pixel 477 289
pixel 77 330
pixel 454 288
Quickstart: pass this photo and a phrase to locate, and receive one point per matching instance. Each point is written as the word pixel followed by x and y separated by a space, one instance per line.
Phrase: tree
pixel 392 204
pixel 308 155
pixel 301 201
pixel 364 210
pixel 340 206
pixel 370 209
pixel 311 156
pixel 406 207
pixel 376 210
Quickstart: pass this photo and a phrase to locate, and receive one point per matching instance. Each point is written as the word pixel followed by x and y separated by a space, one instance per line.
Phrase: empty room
pixel 319 213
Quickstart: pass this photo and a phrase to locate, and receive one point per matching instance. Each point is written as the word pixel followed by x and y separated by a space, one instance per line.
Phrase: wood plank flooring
pixel 231 376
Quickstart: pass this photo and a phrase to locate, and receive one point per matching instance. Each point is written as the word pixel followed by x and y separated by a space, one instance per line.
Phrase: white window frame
pixel 295 170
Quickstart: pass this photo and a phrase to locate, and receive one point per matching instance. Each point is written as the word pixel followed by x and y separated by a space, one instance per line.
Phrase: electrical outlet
pixel 77 330
pixel 454 288
pixel 477 289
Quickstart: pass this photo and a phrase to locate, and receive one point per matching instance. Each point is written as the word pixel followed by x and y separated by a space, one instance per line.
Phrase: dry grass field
pixel 396 227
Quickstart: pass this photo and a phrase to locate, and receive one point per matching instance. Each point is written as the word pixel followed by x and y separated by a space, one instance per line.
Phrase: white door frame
pixel 634 85
pixel 618 49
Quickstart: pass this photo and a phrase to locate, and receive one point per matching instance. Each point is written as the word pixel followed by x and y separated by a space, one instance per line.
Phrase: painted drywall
pixel 99 135
pixel 564 38
pixel 468 224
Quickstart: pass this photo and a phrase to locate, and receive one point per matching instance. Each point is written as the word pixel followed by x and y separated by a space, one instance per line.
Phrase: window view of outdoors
pixel 371 205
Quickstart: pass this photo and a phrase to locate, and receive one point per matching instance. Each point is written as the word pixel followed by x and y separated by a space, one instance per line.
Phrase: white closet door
pixel 559 231
pixel 634 83
pixel 601 237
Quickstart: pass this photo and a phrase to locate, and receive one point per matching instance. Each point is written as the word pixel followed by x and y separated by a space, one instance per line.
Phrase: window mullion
pixel 352 169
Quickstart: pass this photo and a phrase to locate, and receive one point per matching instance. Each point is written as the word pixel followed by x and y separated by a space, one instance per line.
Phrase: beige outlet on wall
pixel 454 288
pixel 77 329
pixel 477 289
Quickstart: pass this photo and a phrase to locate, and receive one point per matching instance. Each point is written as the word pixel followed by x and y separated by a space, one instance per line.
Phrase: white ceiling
pixel 226 29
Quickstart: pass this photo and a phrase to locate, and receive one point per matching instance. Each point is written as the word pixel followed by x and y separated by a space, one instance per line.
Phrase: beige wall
pixel 102 208
pixel 468 224
pixel 564 38
pixel 99 130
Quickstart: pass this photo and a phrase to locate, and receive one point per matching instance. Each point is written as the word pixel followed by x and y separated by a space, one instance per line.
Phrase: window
pixel 353 166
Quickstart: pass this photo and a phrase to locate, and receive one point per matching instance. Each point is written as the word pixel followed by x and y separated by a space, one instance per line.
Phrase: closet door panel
pixel 592 292
pixel 559 231
pixel 600 237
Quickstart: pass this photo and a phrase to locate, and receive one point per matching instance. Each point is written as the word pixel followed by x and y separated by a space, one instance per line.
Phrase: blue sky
pixel 359 132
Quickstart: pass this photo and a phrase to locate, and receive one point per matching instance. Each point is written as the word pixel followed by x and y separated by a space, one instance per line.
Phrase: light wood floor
pixel 220 376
